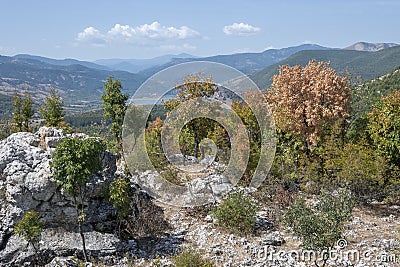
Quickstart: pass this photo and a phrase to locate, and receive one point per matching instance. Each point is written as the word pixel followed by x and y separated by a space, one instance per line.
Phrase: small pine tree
pixel 52 111
pixel 17 117
pixel 114 104
pixel 27 111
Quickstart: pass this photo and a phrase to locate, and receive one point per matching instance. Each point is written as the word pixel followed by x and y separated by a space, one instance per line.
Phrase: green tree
pixel 52 111
pixel 27 111
pixel 194 86
pixel 17 117
pixel 30 228
pixel 120 193
pixel 361 169
pixel 73 162
pixel 253 129
pixel 384 127
pixel 114 104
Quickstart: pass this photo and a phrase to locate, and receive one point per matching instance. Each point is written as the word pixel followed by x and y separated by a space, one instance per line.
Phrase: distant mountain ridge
pixel 136 65
pixel 245 62
pixel 79 85
pixel 371 47
pixel 63 62
pixel 367 65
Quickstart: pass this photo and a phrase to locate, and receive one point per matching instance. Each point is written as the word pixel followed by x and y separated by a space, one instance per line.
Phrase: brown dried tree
pixel 305 100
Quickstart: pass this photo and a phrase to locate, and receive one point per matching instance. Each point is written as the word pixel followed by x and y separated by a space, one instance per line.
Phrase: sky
pixel 90 30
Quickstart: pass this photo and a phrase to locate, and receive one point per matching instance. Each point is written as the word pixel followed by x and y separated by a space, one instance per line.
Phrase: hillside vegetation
pixel 367 65
pixel 78 84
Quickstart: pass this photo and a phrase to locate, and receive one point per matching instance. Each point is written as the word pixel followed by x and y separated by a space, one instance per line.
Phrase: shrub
pixel 237 213
pixel 137 215
pixel 190 258
pixel 320 226
pixel 30 227
pixel 120 195
pixel 362 170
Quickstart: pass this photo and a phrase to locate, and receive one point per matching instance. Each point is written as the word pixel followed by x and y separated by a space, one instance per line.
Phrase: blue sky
pixel 90 30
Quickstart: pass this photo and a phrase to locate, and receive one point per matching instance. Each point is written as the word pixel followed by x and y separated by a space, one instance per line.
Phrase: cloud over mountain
pixel 142 33
pixel 91 35
pixel 241 29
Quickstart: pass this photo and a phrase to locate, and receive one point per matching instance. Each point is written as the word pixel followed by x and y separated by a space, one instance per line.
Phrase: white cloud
pixel 88 33
pixel 137 34
pixel 91 35
pixel 121 30
pixel 242 29
pixel 156 31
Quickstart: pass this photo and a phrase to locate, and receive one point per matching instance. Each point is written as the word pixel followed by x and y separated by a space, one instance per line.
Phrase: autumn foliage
pixel 305 100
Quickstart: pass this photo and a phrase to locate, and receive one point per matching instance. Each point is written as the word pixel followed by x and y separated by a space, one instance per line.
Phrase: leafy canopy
pixel 29 227
pixel 74 160
pixel 193 86
pixel 305 100
pixel 120 195
pixel 384 126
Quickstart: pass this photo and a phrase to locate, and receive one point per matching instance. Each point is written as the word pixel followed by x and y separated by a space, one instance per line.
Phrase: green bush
pixel 190 258
pixel 120 194
pixel 362 170
pixel 237 213
pixel 30 228
pixel 320 225
pixel 384 125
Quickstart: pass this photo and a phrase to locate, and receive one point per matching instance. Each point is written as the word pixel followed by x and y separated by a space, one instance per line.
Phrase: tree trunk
pixel 83 242
pixel 196 142
pixel 78 213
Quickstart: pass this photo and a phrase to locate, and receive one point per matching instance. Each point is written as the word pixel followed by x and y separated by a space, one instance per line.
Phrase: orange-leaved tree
pixel 307 100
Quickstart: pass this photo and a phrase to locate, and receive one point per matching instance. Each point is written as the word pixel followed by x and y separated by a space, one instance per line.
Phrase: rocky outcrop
pixel 26 184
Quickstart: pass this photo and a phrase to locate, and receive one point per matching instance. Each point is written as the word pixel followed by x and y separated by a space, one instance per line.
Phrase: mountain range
pixel 371 47
pixel 78 85
pixel 136 65
pixel 359 64
pixel 245 62
pixel 81 82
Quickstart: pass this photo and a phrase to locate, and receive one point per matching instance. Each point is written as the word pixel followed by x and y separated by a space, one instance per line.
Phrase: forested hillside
pixel 367 65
